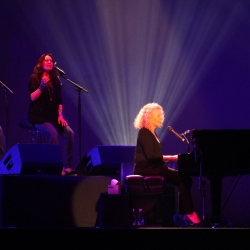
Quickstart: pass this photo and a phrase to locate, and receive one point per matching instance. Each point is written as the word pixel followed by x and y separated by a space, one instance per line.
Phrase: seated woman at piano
pixel 149 160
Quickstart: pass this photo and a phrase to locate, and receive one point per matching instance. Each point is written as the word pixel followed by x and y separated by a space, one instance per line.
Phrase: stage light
pixel 129 53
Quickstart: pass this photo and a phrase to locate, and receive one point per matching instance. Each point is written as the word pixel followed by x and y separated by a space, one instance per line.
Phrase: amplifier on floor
pixel 32 159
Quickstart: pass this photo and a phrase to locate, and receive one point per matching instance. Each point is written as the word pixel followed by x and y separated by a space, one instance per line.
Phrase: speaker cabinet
pixel 105 160
pixel 32 159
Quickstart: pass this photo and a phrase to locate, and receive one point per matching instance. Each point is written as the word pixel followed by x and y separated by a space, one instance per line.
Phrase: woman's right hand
pixel 45 78
pixel 42 85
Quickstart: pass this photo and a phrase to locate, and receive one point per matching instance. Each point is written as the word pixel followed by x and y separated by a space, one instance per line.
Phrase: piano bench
pixel 151 195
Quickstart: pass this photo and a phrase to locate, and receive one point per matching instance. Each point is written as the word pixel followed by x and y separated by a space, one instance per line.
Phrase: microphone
pixel 60 70
pixel 170 129
pixel 186 132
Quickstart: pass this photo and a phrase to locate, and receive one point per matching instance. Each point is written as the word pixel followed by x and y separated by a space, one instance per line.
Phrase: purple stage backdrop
pixel 192 57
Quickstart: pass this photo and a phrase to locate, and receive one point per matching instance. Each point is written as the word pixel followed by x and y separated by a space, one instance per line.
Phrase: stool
pixel 26 125
pixel 145 193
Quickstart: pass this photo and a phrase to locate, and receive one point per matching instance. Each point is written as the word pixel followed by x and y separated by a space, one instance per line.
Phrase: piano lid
pixel 225 150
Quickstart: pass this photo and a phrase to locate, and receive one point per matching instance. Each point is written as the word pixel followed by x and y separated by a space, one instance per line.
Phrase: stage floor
pixel 50 200
pixel 67 202
pixel 91 238
pixel 39 211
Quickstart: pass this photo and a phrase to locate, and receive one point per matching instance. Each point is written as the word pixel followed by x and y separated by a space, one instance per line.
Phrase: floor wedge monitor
pixel 32 159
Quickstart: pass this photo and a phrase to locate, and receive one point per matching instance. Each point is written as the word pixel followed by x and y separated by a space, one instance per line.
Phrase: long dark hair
pixel 39 66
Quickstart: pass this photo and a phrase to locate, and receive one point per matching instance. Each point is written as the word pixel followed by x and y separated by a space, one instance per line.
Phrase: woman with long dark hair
pixel 46 106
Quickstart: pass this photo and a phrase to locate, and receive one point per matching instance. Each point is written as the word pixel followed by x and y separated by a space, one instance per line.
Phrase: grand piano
pixel 215 155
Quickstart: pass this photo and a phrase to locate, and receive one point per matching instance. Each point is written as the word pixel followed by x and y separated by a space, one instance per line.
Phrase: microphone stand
pixel 187 141
pixel 78 88
pixel 6 90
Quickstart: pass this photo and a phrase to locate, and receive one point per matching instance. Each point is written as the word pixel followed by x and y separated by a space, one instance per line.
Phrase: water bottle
pixel 140 221
pixel 134 219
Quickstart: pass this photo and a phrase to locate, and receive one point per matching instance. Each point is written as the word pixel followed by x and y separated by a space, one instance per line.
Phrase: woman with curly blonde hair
pixel 149 160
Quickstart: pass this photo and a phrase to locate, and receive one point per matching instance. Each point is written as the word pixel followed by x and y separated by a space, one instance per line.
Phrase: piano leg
pixel 216 186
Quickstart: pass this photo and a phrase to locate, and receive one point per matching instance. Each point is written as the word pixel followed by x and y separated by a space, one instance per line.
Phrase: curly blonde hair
pixel 144 116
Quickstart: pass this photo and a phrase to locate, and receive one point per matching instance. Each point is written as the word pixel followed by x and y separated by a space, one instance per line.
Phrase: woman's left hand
pixel 62 121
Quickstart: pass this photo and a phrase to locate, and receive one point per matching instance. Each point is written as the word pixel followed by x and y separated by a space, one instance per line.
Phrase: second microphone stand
pixel 78 89
pixel 6 90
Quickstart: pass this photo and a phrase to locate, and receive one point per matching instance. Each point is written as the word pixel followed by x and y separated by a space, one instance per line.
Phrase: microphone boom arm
pixel 170 129
pixel 76 85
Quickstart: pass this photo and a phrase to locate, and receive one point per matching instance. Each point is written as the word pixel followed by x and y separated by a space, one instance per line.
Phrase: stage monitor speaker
pixel 105 159
pixel 32 159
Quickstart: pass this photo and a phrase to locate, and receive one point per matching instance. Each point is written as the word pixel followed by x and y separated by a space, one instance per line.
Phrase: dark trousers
pixel 184 184
pixel 174 177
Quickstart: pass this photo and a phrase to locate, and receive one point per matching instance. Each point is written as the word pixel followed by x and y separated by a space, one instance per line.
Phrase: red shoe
pixel 68 171
pixel 193 218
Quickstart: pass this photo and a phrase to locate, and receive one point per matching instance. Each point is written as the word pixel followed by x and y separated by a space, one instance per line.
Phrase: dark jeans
pixel 68 135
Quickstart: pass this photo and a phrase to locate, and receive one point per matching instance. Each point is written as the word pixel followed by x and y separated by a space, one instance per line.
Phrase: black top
pixel 45 108
pixel 148 157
